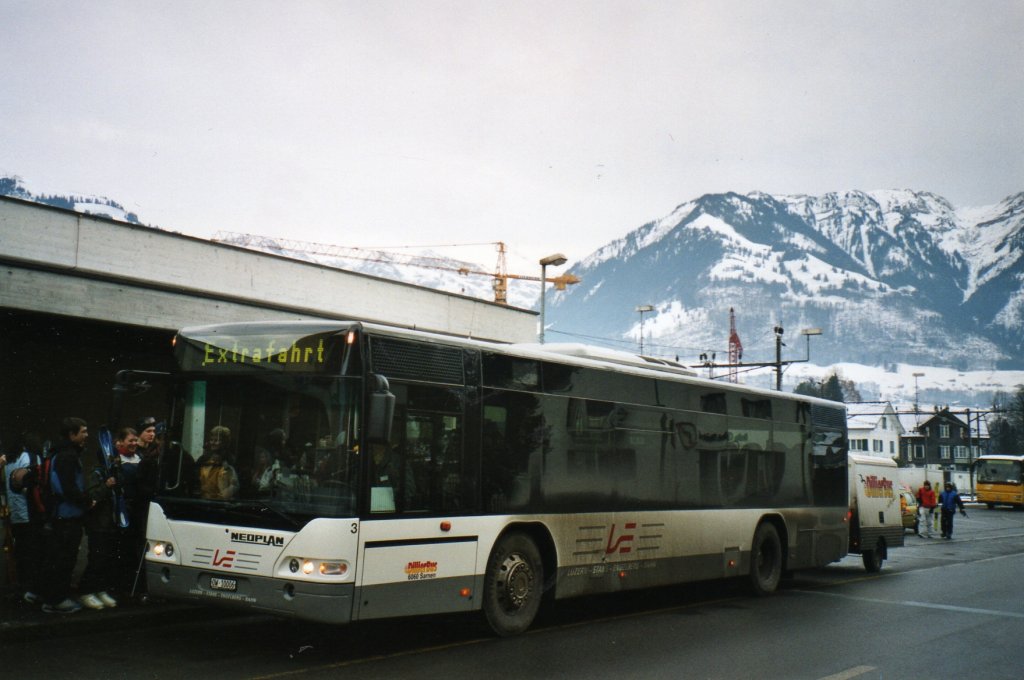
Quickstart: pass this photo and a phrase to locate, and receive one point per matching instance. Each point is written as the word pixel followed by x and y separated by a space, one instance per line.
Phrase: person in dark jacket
pixel 131 539
pixel 68 484
pixel 949 501
pixel 147 482
pixel 100 576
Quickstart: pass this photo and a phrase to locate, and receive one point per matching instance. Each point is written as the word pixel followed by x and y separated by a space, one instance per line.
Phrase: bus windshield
pixel 264 446
pixel 992 471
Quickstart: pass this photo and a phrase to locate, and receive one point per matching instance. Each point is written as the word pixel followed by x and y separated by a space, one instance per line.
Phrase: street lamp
pixel 808 332
pixel 556 260
pixel 917 403
pixel 642 309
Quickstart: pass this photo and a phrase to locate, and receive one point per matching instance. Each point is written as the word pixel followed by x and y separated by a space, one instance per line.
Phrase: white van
pixel 876 523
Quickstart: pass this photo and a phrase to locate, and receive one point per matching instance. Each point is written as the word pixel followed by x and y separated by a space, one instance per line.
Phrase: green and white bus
pixel 339 471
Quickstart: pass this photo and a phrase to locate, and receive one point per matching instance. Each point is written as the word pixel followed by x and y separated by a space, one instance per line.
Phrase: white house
pixel 874 428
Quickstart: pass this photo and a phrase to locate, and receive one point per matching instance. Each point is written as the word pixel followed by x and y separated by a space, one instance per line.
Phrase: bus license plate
pixel 223 584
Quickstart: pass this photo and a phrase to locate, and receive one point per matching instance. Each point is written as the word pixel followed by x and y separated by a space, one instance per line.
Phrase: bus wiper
pixel 264 507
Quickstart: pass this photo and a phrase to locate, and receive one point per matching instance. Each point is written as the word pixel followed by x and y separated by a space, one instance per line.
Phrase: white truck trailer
pixel 876 523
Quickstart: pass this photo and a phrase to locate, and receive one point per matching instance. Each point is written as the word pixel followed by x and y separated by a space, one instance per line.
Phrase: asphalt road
pixel 939 609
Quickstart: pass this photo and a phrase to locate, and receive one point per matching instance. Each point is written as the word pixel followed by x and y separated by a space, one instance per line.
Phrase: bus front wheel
pixel 765 560
pixel 513 585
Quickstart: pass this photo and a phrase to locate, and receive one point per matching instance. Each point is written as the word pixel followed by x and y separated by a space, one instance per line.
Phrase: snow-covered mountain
pixel 14 186
pixel 889 276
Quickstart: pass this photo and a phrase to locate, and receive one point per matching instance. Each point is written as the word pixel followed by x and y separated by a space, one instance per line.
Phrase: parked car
pixel 908 507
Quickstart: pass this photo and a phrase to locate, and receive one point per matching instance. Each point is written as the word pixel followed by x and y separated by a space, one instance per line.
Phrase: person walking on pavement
pixel 926 506
pixel 949 500
pixel 68 483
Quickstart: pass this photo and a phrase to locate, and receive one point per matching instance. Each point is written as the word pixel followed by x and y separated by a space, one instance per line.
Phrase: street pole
pixel 778 358
pixel 970 452
pixel 555 260
pixel 917 401
pixel 642 309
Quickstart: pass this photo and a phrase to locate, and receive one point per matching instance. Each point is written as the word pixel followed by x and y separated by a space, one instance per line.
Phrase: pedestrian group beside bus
pixel 56 496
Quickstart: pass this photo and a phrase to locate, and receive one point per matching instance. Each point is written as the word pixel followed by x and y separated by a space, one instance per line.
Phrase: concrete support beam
pixel 79 265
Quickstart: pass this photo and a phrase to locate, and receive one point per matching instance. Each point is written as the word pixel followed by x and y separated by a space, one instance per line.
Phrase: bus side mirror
pixel 381 412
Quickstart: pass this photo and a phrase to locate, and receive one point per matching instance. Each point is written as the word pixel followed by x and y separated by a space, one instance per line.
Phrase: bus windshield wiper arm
pixel 264 507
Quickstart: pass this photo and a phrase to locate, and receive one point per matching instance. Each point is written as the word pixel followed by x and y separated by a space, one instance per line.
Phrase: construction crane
pixel 735 348
pixel 500 276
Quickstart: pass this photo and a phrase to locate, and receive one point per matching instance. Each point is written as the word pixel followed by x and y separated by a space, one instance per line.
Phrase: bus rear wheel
pixel 765 560
pixel 513 585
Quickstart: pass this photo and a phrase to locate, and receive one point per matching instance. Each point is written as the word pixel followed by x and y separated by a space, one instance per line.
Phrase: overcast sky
pixel 552 126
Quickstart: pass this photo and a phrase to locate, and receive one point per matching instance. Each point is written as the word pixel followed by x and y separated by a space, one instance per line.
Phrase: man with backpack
pixel 67 483
pixel 28 514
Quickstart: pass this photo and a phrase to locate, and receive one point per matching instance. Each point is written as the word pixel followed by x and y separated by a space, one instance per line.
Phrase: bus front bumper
pixel 329 603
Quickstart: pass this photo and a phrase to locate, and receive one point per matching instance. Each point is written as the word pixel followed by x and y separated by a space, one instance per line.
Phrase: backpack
pixel 34 482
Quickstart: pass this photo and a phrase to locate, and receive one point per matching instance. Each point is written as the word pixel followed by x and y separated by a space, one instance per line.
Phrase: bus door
pixel 411 564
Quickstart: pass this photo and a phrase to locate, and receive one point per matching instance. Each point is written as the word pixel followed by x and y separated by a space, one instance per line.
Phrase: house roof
pixel 864 415
pixel 911 421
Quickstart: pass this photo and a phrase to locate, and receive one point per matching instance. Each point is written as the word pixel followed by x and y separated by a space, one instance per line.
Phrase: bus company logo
pixel 227 560
pixel 878 488
pixel 257 539
pixel 623 542
pixel 417 571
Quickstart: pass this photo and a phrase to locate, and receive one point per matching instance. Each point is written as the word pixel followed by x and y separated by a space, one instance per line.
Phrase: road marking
pixel 922 605
pixel 850 673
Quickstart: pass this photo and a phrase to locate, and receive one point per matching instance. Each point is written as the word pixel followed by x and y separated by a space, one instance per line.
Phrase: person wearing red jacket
pixel 926 506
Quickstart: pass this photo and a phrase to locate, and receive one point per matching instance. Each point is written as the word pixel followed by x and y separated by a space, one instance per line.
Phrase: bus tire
pixel 873 558
pixel 990 506
pixel 765 560
pixel 513 585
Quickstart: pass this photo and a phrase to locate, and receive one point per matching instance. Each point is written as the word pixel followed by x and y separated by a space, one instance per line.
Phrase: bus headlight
pixel 305 566
pixel 333 568
pixel 163 549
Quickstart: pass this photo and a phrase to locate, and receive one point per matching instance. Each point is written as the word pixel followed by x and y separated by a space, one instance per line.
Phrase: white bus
pixel 342 471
